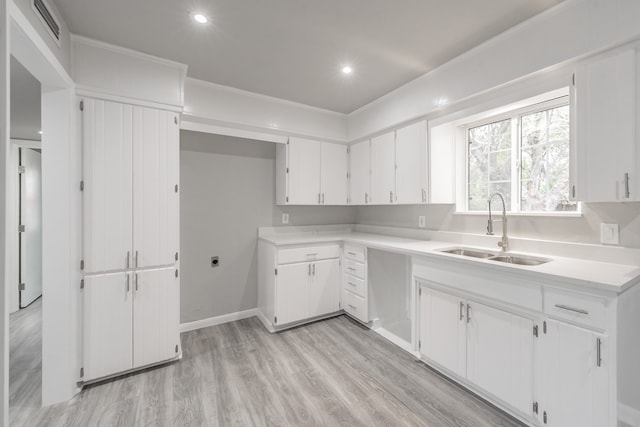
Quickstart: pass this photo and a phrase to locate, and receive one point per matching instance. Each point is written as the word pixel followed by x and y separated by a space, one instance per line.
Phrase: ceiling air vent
pixel 47 17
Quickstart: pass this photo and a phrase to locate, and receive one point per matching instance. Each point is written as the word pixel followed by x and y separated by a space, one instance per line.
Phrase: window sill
pixel 569 214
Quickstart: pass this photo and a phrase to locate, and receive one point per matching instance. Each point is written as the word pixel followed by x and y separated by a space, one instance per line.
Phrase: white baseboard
pixel 218 320
pixel 628 416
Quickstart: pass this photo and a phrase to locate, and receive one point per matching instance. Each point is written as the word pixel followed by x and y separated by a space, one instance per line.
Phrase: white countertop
pixel 606 276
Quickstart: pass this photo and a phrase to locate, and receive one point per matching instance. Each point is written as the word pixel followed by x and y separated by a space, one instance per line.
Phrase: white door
pixel 31 219
pixel 107 325
pixel 304 172
pixel 107 196
pixel 574 389
pixel 324 287
pixel 359 191
pixel 156 316
pixel 292 293
pixel 605 129
pixel 500 355
pixel 155 177
pixel 383 169
pixel 411 158
pixel 334 165
pixel 443 330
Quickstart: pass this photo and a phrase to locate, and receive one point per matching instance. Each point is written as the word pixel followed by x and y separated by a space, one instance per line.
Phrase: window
pixel 525 156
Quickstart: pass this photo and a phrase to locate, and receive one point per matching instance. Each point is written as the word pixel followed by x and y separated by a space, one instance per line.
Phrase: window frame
pixel 516 147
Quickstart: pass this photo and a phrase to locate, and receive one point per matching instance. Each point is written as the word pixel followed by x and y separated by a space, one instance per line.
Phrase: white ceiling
pixel 25 103
pixel 294 49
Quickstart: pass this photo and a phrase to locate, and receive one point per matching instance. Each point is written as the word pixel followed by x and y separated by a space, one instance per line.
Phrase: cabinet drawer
pixel 357 253
pixel 587 310
pixel 354 284
pixel 355 306
pixel 309 253
pixel 356 269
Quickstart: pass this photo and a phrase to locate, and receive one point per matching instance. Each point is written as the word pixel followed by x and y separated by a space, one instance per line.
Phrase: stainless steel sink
pixel 519 260
pixel 469 252
pixel 492 256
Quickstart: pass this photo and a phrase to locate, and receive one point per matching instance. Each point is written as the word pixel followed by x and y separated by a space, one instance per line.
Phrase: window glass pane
pixel 489 163
pixel 544 162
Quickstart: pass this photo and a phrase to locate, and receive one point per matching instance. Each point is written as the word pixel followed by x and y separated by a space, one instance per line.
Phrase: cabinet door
pixel 107 197
pixel 443 330
pixel 605 129
pixel 573 388
pixel 155 175
pixel 324 287
pixel 292 293
pixel 500 355
pixel 304 172
pixel 156 316
pixel 334 162
pixel 359 191
pixel 107 325
pixel 411 161
pixel 383 169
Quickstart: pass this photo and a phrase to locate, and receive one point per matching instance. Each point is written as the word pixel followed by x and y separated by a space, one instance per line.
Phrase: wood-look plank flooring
pixel 330 373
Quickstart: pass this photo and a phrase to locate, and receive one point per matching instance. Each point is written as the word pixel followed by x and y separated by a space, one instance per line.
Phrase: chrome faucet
pixel 504 242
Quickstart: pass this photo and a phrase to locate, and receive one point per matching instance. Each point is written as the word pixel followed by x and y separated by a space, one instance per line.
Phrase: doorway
pixel 25 285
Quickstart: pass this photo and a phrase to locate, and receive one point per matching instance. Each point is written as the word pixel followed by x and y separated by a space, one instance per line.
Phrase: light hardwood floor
pixel 330 373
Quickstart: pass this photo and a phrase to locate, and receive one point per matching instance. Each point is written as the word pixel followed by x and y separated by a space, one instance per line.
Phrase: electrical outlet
pixel 610 234
pixel 422 221
pixel 285 218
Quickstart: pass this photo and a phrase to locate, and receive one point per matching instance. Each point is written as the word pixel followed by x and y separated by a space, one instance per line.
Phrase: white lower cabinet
pixel 573 376
pixel 131 320
pixel 500 354
pixel 305 284
pixel 490 348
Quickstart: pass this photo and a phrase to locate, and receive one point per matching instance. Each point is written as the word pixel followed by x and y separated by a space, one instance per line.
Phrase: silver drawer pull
pixel 352 284
pixel 313 254
pixel 352 253
pixel 575 310
pixel 351 306
pixel 351 269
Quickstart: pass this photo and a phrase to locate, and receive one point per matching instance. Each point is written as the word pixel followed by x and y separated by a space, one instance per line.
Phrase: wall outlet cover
pixel 422 221
pixel 285 218
pixel 609 234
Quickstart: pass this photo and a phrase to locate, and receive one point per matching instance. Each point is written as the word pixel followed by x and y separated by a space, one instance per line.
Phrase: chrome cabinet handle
pixel 128 284
pixel 573 191
pixel 318 198
pixel 461 310
pixel 575 310
pixel 627 194
pixel 314 269
pixel 424 196
pixel 353 307
pixel 313 254
pixel 468 313
pixel 351 269
pixel 135 281
pixel 136 260
pixel 366 198
pixel 323 198
pixel 352 253
pixel 390 196
pixel 599 352
pixel 128 256
pixel 352 284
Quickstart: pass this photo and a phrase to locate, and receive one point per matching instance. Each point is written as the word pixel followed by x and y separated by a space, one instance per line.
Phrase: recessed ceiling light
pixel 40 132
pixel 347 70
pixel 200 18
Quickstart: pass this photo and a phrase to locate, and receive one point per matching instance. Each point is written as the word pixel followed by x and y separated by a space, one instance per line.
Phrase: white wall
pixel 4 149
pixel 227 192
pixel 584 229
pixel 569 31
pixel 236 109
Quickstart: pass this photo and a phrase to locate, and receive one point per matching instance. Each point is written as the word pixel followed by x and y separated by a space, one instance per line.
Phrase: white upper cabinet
pixel 359 172
pixel 383 169
pixel 411 160
pixel 605 140
pixel 304 171
pixel 334 165
pixel 442 164
pixel 155 198
pixel 311 173
pixel 108 185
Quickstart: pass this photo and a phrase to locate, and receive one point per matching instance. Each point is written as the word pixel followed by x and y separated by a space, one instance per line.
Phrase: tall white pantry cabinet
pixel 130 289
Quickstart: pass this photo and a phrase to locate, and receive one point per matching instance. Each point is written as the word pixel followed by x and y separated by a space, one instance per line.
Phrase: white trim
pixel 93 93
pixel 628 415
pixel 393 338
pixel 230 131
pixel 218 320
